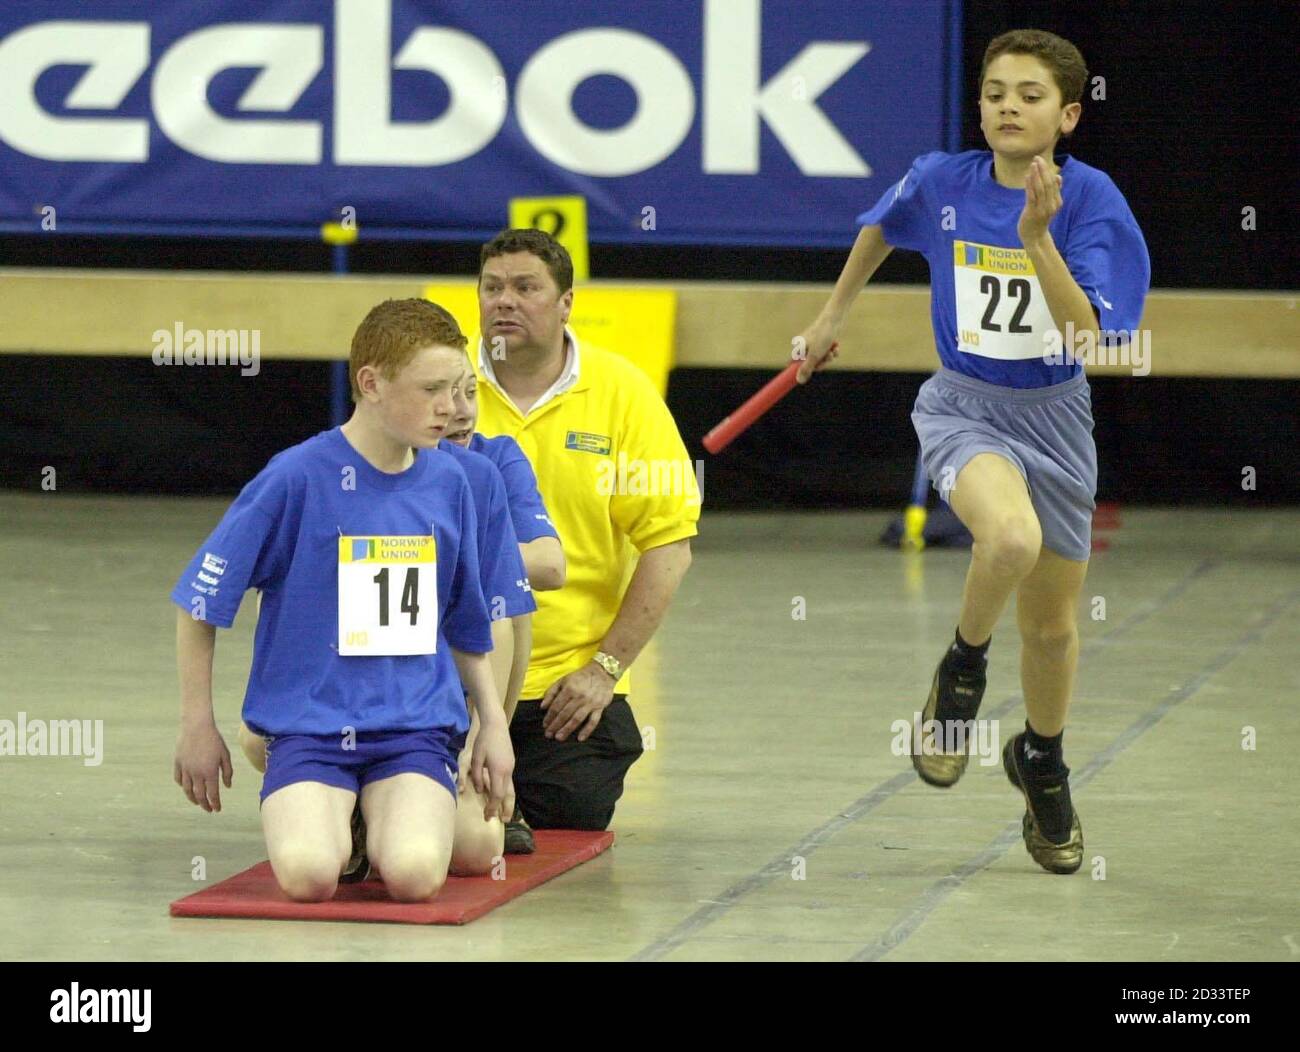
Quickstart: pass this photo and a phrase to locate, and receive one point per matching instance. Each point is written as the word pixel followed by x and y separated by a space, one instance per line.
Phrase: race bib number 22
pixel 1001 310
pixel 388 596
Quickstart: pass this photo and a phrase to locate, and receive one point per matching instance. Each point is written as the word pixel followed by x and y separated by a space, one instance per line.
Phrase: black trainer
pixel 1051 828
pixel 519 838
pixel 955 696
pixel 358 867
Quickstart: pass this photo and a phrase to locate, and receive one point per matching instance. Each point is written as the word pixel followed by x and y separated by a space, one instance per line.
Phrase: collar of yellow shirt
pixel 570 378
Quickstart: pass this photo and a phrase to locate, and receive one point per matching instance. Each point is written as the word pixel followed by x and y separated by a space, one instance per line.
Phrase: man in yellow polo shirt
pixel 620 489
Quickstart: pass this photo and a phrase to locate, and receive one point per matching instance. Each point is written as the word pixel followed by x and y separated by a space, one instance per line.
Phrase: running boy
pixel 362 543
pixel 1033 255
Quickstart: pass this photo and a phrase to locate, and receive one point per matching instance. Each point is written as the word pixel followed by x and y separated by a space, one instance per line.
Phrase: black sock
pixel 966 655
pixel 1044 754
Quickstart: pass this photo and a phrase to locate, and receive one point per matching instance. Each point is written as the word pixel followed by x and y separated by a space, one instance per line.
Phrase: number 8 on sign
pixel 388 596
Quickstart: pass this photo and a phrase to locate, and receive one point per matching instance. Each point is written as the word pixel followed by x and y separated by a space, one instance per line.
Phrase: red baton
pixel 735 425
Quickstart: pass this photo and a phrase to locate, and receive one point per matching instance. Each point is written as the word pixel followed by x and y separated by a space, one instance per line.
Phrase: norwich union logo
pixel 587 443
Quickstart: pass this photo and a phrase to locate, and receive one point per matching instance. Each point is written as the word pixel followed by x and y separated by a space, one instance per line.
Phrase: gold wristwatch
pixel 609 663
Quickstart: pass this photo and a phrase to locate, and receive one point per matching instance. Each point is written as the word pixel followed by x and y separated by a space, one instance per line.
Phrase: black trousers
pixel 572 784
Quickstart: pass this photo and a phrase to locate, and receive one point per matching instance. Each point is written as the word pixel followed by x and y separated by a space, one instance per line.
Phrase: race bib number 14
pixel 388 596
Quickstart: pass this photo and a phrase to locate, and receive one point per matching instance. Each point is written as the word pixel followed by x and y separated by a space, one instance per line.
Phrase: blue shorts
pixel 1046 432
pixel 294 758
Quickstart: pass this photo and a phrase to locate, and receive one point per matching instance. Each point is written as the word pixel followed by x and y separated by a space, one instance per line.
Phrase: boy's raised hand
pixel 202 756
pixel 1042 201
pixel 491 767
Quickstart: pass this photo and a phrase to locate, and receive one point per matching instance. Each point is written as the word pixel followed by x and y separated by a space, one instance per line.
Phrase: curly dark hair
pixel 1056 53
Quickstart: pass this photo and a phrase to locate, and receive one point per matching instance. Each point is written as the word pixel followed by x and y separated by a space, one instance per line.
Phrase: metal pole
pixel 339 237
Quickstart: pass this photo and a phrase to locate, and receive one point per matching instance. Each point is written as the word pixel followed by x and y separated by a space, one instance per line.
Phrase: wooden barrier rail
pixel 719 324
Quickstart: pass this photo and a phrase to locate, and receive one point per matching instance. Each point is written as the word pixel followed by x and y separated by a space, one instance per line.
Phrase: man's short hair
pixel 537 242
pixel 394 331
pixel 1056 53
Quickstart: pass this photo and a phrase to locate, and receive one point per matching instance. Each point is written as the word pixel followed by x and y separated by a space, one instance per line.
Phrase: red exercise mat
pixel 254 892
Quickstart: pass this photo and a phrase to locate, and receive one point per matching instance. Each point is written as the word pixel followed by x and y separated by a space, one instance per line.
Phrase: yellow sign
pixel 564 218
pixel 638 323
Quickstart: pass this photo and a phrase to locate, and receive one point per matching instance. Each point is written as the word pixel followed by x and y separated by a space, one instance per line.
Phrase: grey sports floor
pixel 772 819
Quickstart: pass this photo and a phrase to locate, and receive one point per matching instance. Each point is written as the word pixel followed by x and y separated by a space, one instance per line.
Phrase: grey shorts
pixel 1046 432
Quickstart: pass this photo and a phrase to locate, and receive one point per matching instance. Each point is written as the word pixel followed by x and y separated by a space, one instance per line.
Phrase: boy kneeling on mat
pixel 364 545
pixel 519 552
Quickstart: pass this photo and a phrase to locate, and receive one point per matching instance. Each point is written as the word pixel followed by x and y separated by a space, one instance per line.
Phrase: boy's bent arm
pixel 503 649
pixel 1069 305
pixel 493 759
pixel 869 251
pixel 202 760
pixel 544 560
pixel 196 642
pixel 476 675
pixel 523 651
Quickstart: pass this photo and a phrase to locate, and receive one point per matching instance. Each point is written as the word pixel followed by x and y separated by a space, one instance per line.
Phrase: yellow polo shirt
pixel 617 481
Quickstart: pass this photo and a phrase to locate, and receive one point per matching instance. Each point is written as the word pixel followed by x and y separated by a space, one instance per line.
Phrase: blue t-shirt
pixel 501 567
pixel 282 535
pixel 526 507
pixel 990 318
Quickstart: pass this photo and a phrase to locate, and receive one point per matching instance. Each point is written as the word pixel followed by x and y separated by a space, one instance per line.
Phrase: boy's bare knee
pixel 414 886
pixel 1011 550
pixel 477 852
pixel 412 872
pixel 1050 639
pixel 306 874
pixel 310 887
